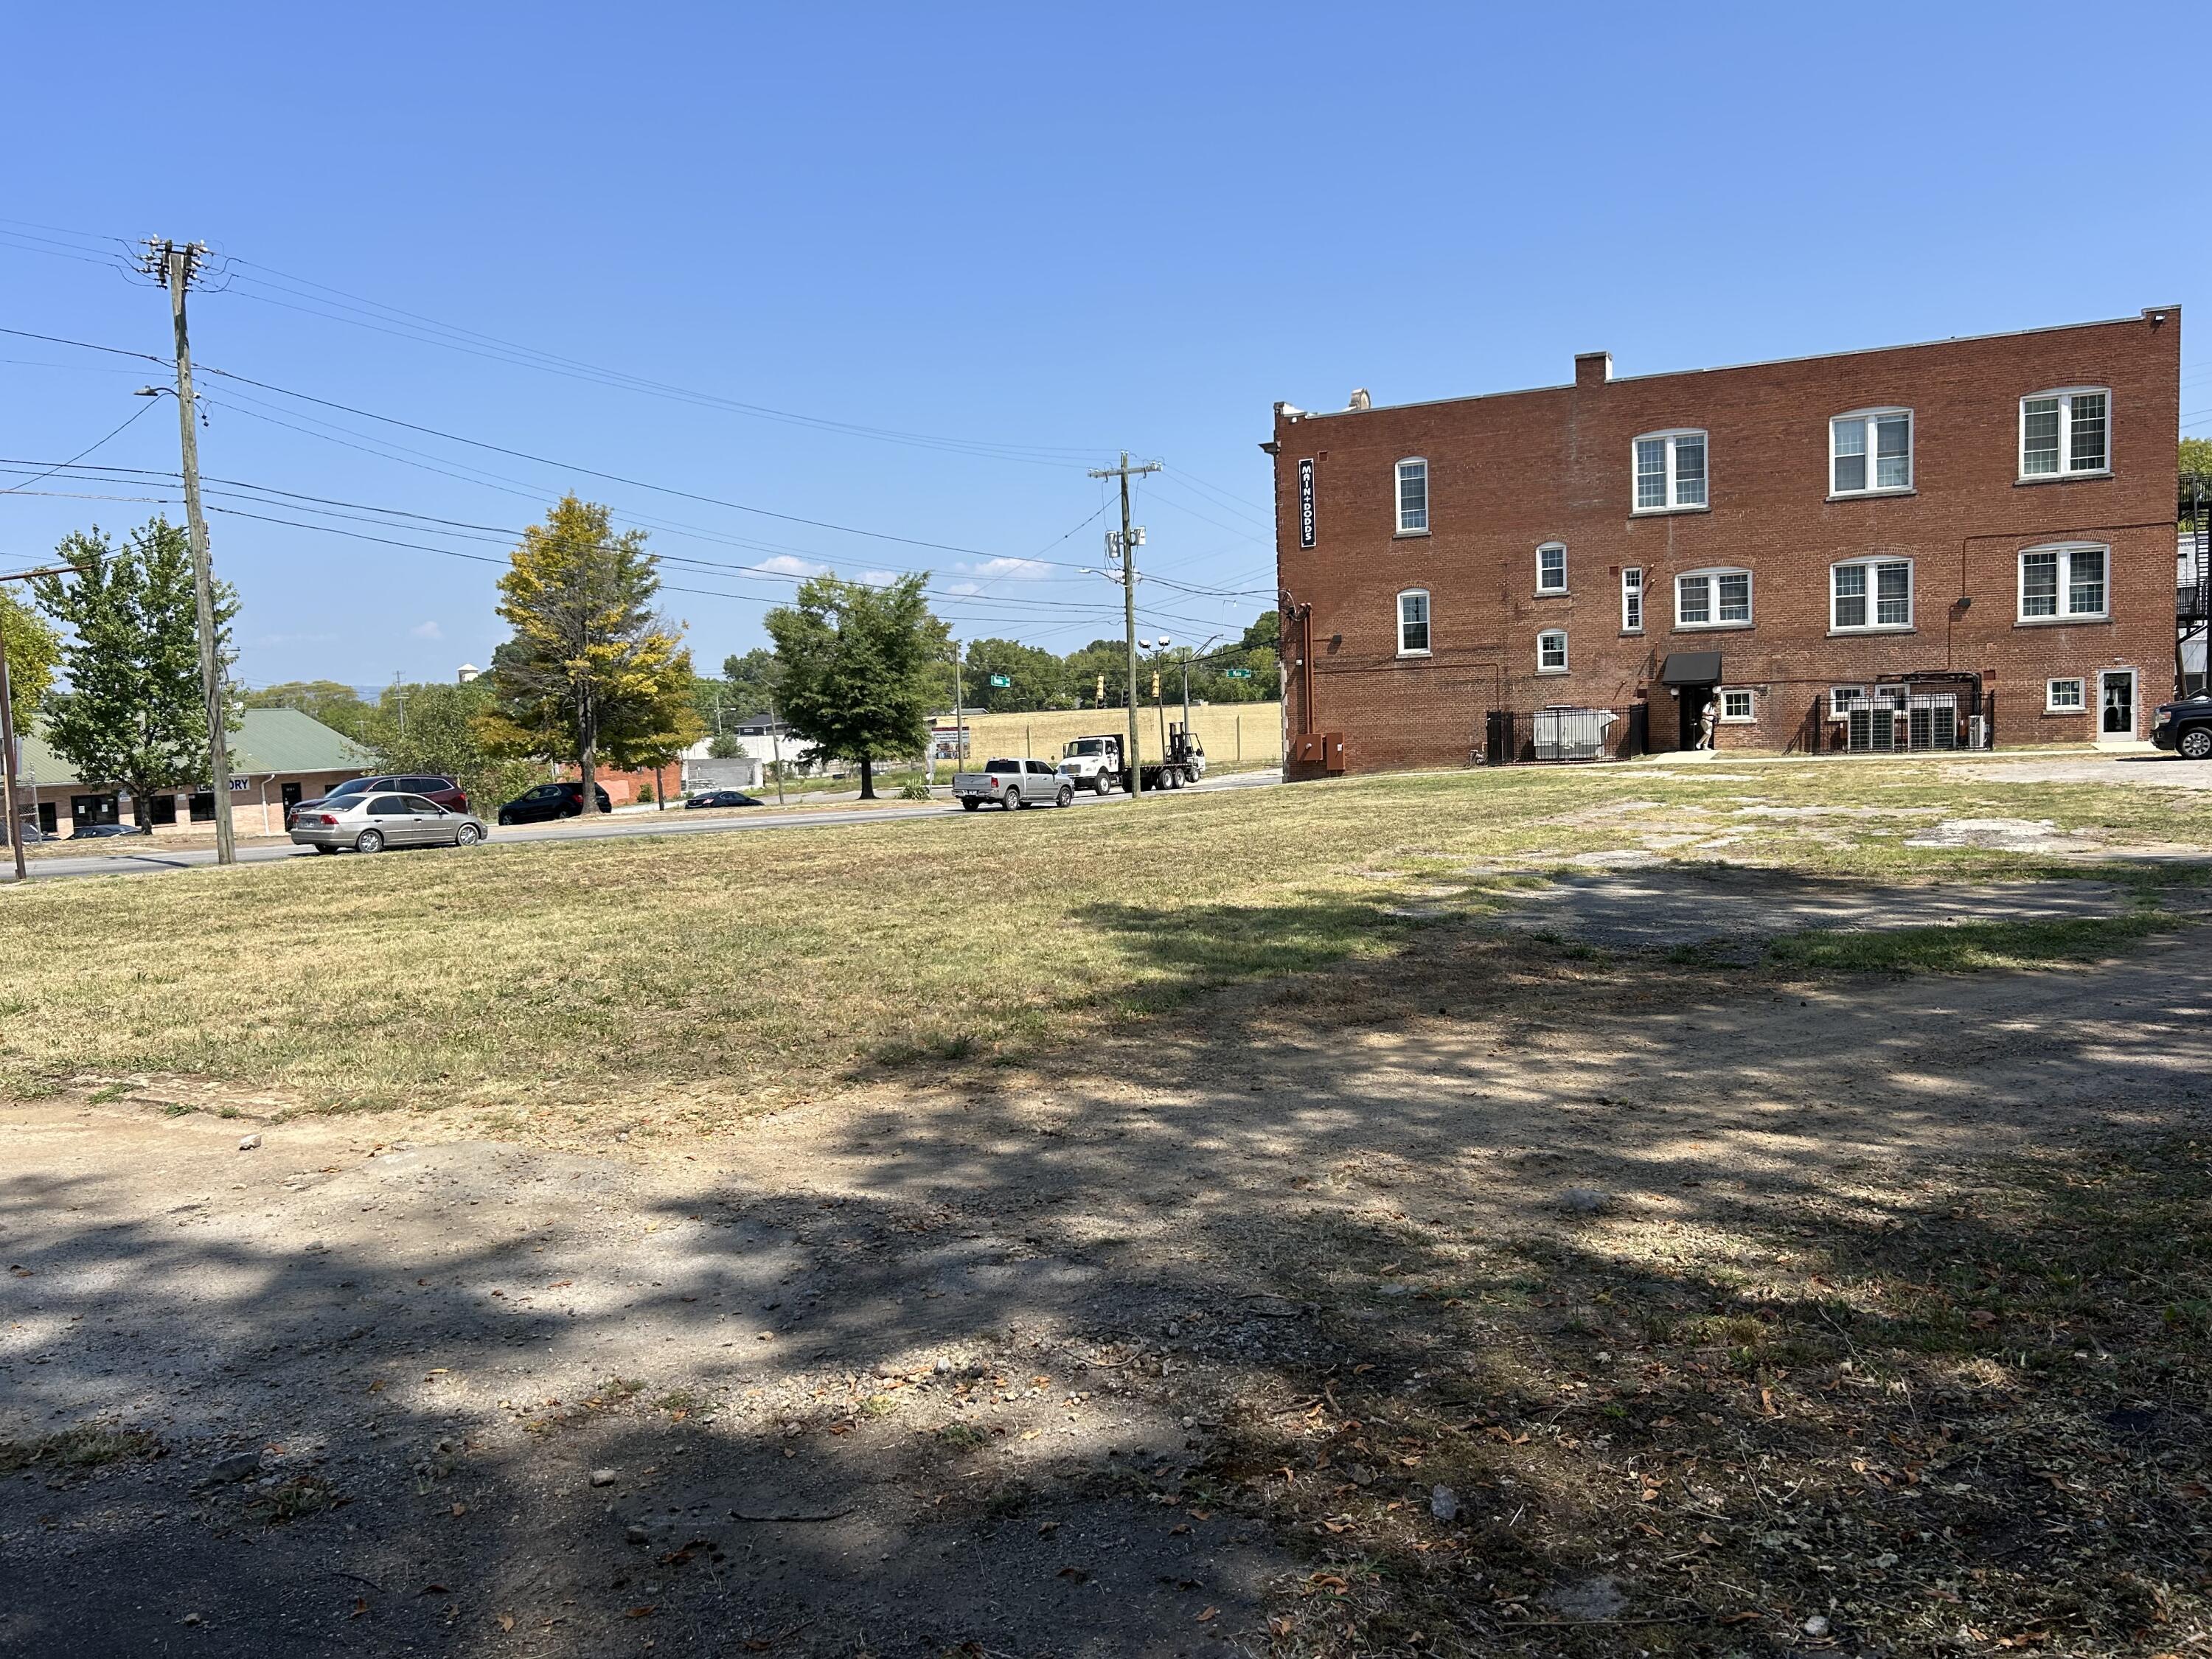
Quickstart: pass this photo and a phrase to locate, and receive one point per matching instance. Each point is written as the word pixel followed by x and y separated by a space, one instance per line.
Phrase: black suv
pixel 2186 727
pixel 552 800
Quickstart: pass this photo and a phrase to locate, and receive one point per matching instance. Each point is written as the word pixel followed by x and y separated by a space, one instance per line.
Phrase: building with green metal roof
pixel 277 757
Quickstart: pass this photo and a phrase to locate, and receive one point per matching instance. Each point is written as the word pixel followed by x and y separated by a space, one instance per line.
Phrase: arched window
pixel 1870 451
pixel 1551 568
pixel 2066 431
pixel 1869 594
pixel 1413 622
pixel 1669 470
pixel 1551 650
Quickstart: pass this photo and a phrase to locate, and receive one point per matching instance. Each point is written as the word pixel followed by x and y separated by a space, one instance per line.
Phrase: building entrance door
pixel 2117 699
pixel 1693 704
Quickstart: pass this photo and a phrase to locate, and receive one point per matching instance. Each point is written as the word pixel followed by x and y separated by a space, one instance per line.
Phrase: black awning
pixel 1691 668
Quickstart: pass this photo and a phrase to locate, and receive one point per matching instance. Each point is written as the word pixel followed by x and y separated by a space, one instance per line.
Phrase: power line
pixel 64 465
pixel 87 345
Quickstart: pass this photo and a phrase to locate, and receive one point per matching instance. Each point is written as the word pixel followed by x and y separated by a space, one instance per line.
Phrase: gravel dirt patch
pixel 1157 1348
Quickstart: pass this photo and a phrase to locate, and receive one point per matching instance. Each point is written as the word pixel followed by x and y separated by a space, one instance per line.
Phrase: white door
pixel 2116 705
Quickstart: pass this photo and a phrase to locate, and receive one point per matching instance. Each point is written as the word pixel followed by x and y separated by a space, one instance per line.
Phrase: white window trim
pixel 1428 620
pixel 1563 659
pixel 1673 435
pixel 2052 705
pixel 1836 706
pixel 2065 551
pixel 1727 691
pixel 1542 548
pixel 1870 563
pixel 1642 598
pixel 2065 394
pixel 1398 497
pixel 1868 417
pixel 1710 576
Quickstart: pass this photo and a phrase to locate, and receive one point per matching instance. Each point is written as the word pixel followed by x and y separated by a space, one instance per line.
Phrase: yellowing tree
pixel 594 675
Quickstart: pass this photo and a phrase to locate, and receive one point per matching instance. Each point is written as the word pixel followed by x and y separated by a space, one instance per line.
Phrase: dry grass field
pixel 1316 1223
pixel 749 970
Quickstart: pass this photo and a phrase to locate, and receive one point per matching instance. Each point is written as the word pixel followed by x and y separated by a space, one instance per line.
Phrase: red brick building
pixel 1970 539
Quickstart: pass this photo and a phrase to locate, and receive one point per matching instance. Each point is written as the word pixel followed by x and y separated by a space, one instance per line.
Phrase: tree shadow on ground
pixel 1218 1302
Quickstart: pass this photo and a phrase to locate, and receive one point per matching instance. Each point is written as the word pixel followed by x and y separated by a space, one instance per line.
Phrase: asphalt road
pixel 674 821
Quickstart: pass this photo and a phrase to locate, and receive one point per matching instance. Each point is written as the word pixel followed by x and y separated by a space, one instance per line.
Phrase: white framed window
pixel 1551 650
pixel 1713 598
pixel 1869 595
pixel 2063 582
pixel 1414 497
pixel 1669 470
pixel 1413 622
pixel 1842 697
pixel 2064 697
pixel 1632 599
pixel 1870 451
pixel 1551 568
pixel 1736 707
pixel 2066 432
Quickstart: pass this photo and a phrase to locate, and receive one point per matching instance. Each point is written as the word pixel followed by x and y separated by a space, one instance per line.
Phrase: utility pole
pixel 776 747
pixel 173 264
pixel 1128 557
pixel 7 731
pixel 959 714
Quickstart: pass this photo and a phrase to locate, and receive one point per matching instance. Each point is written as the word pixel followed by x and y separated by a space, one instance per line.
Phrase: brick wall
pixel 1510 472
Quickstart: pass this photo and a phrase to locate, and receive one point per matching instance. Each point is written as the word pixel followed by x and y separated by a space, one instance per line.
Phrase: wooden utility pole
pixel 8 730
pixel 1127 554
pixel 174 264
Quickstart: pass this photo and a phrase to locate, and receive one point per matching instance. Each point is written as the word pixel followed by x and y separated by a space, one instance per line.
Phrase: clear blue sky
pixel 1038 233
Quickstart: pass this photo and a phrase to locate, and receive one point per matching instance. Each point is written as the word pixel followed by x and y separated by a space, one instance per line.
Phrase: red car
pixel 444 791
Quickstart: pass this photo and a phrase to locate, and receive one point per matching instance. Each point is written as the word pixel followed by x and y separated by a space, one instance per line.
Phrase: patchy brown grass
pixel 1975 1421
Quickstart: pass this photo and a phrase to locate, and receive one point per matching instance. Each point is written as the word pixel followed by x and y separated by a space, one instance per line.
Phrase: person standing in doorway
pixel 1707 719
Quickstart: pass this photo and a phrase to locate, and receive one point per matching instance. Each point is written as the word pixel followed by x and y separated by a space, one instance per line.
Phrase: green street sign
pixel 1002 680
pixel 1236 673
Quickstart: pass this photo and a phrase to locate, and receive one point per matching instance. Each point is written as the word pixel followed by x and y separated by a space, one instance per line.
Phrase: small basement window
pixel 1736 707
pixel 2064 697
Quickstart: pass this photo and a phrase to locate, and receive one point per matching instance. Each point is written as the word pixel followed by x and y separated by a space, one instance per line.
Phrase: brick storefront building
pixel 1979 528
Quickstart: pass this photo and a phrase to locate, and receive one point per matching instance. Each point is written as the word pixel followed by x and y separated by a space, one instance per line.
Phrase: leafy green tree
pixel 853 662
pixel 749 683
pixel 1265 634
pixel 132 716
pixel 2196 475
pixel 592 674
pixel 1100 659
pixel 338 707
pixel 728 746
pixel 438 727
pixel 1036 678
pixel 33 652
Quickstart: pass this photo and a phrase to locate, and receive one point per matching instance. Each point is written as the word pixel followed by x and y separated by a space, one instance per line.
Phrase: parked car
pixel 371 823
pixel 1012 784
pixel 721 797
pixel 2185 726
pixel 103 831
pixel 552 800
pixel 29 830
pixel 442 790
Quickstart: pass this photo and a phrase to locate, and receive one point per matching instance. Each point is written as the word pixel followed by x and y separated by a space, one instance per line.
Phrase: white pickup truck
pixel 1012 784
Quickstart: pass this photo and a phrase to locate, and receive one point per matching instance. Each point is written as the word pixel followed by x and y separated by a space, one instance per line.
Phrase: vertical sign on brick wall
pixel 1306 503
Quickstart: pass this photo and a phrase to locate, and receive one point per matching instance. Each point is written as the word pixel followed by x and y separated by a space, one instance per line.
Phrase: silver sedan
pixel 369 823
